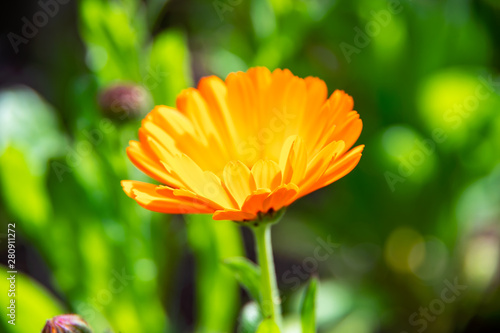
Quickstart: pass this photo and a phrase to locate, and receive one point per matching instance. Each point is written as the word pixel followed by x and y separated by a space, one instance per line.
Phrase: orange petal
pixel 281 197
pixel 267 174
pixel 333 114
pixel 214 91
pixel 204 183
pixel 312 120
pixel 239 181
pixel 340 167
pixel 176 134
pixel 233 215
pixel 243 101
pixel 316 93
pixel 254 203
pixel 162 199
pixel 182 192
pixel 293 160
pixel 319 164
pixel 261 78
pixel 288 93
pixel 149 164
pixel 348 131
pixel 191 102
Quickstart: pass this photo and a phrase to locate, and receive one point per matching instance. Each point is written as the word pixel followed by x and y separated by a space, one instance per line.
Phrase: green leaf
pixel 15 176
pixel 32 302
pixel 308 311
pixel 247 274
pixel 217 292
pixel 110 31
pixel 268 326
pixel 169 67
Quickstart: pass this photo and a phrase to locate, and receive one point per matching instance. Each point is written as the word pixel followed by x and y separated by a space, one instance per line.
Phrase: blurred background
pixel 407 242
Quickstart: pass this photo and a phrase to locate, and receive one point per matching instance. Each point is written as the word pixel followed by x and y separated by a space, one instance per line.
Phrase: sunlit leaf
pixel 29 123
pixel 308 311
pixel 113 41
pixel 33 303
pixel 263 18
pixel 247 274
pixel 22 188
pixel 268 326
pixel 217 293
pixel 169 68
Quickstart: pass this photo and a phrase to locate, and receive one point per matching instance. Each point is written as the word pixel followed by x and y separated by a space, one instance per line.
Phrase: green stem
pixel 271 306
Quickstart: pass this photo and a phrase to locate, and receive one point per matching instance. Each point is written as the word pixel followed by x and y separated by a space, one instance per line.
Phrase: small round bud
pixel 69 323
pixel 123 101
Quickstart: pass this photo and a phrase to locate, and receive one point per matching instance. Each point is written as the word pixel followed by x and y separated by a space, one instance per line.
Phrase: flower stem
pixel 270 300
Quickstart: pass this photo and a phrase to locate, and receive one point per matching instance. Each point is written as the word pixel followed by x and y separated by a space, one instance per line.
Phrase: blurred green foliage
pixel 32 301
pixel 421 210
pixel 308 310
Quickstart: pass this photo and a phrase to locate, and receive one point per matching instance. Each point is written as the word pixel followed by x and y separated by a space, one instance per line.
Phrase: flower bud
pixel 68 323
pixel 123 101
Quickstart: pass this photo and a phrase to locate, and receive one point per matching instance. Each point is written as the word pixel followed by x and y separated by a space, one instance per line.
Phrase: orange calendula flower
pixel 246 146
